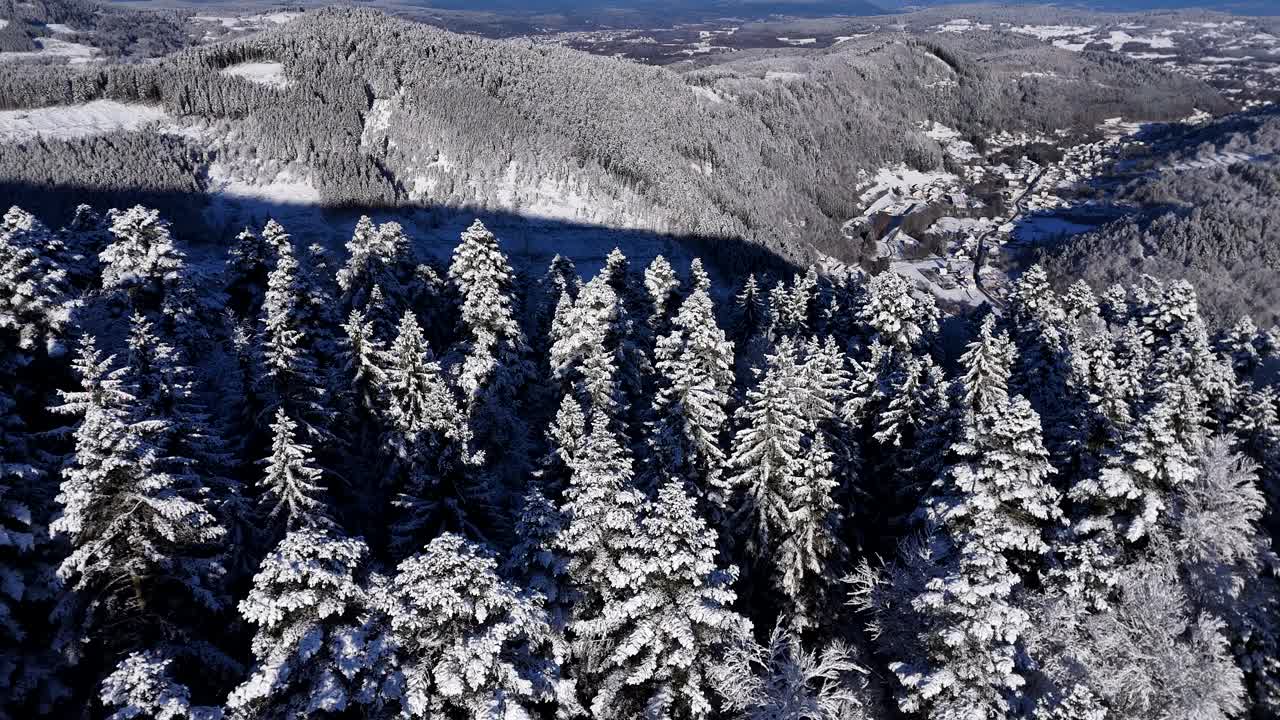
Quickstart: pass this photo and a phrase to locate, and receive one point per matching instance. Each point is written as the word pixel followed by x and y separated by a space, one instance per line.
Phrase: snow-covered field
pixel 950 140
pixel 270 74
pixel 900 184
pixel 798 41
pixel 960 25
pixel 70 121
pixel 53 47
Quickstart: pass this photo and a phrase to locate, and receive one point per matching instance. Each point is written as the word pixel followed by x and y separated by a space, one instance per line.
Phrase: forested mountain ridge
pixel 378 112
pixel 370 486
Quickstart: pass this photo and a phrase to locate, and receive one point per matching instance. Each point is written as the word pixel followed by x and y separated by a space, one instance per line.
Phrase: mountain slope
pixel 364 110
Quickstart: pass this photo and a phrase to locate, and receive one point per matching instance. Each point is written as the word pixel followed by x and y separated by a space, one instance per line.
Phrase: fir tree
pixel 143 537
pixel 307 601
pixel 142 686
pixel 483 278
pixel 989 512
pixel 662 285
pixel 767 450
pixel 426 442
pixel 381 257
pixel 34 293
pixel 811 550
pixel 785 681
pixel 895 315
pixel 292 494
pixel 141 259
pixel 658 643
pixel 248 265
pixel 696 364
pixel 292 373
pixel 470 642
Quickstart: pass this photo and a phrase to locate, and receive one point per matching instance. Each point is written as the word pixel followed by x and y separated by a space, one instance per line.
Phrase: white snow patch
pixel 378 120
pixel 53 47
pixel 847 38
pixel 1118 38
pixel 798 41
pixel 270 74
pixel 954 225
pixel 960 25
pixel 58 28
pixel 1049 32
pixel 71 121
pixel 706 93
pixel 286 187
pixel 950 140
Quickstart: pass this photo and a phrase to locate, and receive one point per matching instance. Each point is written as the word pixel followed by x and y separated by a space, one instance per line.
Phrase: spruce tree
pixel 143 534
pixel 659 641
pixel 293 496
pixel 141 260
pixel 988 515
pixel 695 364
pixel 307 602
pixel 34 291
pixel 470 643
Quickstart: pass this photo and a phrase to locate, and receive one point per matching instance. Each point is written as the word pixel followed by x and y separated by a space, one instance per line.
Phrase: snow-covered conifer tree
pixel 536 560
pixel 591 350
pixel 293 495
pixel 602 512
pixel 750 309
pixel 141 259
pixel 785 681
pixel 248 265
pixel 292 373
pixel 142 535
pixel 695 364
pixel 810 552
pixel 768 448
pixel 468 641
pixel 1228 563
pixel 380 257
pixel 483 278
pixel 142 686
pixel 662 285
pixel 34 294
pixel 426 439
pixel 307 601
pixel 895 315
pixel 988 512
pixel 658 642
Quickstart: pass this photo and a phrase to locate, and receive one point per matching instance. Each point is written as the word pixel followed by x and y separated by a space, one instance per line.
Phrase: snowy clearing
pixel 1050 32
pixel 270 74
pixel 71 121
pixel 706 93
pixel 53 47
pixel 960 25
pixel 798 41
pixel 1118 38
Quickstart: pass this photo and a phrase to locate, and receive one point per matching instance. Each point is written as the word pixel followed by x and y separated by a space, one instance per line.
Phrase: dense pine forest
pixel 298 484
